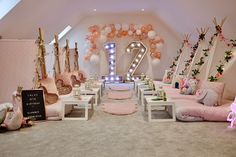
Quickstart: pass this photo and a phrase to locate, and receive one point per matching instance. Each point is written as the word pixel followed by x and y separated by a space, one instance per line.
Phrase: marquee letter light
pixel 135 46
pixel 110 48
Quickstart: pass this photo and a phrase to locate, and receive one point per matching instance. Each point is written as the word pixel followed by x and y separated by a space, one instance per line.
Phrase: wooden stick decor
pixel 186 38
pixel 41 55
pixel 219 26
pixel 67 60
pixel 57 68
pixel 76 62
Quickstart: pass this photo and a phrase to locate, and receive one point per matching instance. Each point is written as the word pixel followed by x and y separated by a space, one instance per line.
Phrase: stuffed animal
pixel 4 108
pixel 189 87
pixel 11 118
pixel 232 115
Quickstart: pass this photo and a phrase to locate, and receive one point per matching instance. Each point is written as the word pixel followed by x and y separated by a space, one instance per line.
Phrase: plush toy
pixel 189 87
pixel 4 108
pixel 11 118
pixel 232 115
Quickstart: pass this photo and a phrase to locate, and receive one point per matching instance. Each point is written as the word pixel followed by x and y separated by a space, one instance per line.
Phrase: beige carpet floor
pixel 105 135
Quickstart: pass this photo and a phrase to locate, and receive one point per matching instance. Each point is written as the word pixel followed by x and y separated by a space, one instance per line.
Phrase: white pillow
pixel 208 97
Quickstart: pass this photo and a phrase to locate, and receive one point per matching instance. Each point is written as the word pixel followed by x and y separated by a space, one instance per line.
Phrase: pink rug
pixel 119 88
pixel 119 108
pixel 119 95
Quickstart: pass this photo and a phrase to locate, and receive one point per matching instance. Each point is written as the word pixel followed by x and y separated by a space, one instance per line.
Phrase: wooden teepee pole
pixel 67 59
pixel 56 53
pixel 41 55
pixel 76 62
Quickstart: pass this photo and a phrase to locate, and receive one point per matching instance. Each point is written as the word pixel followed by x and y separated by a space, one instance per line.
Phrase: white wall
pixel 16 66
pixel 78 33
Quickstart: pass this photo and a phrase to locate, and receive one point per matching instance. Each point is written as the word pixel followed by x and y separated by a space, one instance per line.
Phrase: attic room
pixel 117 78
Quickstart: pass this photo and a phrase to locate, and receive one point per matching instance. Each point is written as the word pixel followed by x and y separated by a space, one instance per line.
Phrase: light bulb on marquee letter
pixel 141 50
pixel 111 49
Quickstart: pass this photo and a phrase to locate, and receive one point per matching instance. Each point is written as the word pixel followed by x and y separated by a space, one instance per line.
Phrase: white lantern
pixel 155 61
pixel 95 59
pixel 151 34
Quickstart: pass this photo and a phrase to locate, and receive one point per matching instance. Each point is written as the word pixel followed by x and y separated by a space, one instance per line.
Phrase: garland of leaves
pixel 192 54
pixel 173 65
pixel 201 61
pixel 220 68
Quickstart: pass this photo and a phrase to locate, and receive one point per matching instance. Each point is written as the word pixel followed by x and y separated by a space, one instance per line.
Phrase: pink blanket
pixel 119 108
pixel 187 110
pixel 119 95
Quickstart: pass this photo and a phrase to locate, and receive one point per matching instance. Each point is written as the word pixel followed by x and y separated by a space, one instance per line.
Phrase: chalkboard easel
pixel 33 104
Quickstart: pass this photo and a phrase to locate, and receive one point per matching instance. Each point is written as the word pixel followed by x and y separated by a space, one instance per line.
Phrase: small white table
pixel 92 91
pixel 136 82
pixel 84 102
pixel 140 86
pixel 145 91
pixel 169 107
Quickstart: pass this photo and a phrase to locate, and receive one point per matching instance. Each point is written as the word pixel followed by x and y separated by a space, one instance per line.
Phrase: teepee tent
pixel 197 52
pixel 223 67
pixel 180 63
pixel 216 44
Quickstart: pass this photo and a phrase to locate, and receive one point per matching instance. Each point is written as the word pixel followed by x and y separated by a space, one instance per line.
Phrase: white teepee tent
pixel 197 53
pixel 201 68
pixel 180 63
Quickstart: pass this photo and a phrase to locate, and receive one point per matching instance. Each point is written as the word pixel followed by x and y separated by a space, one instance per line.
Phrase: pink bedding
pixel 119 108
pixel 119 95
pixel 188 110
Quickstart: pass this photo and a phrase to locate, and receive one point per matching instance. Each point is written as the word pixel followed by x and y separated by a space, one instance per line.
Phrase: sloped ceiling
pixel 182 16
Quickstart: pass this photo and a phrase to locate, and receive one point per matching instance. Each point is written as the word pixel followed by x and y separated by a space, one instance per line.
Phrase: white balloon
pixel 151 34
pixel 95 59
pixel 125 27
pixel 138 32
pixel 103 39
pixel 155 61
pixel 159 46
pixel 118 26
pixel 108 29
pixel 140 26
pixel 135 27
pixel 130 32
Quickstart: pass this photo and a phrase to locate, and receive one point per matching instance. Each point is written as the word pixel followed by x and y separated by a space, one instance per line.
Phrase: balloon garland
pixel 111 31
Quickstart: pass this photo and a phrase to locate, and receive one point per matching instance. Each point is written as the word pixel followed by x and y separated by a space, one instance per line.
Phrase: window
pixel 6 6
pixel 66 30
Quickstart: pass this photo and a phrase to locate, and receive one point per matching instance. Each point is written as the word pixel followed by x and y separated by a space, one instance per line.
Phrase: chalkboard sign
pixel 33 104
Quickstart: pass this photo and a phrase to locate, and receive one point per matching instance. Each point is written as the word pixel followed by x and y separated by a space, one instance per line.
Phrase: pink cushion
pixel 208 97
pixel 119 108
pixel 194 110
pixel 66 77
pixel 218 87
pixel 119 95
pixel 50 85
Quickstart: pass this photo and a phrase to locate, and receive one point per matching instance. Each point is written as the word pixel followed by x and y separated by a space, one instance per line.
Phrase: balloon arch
pixel 111 31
